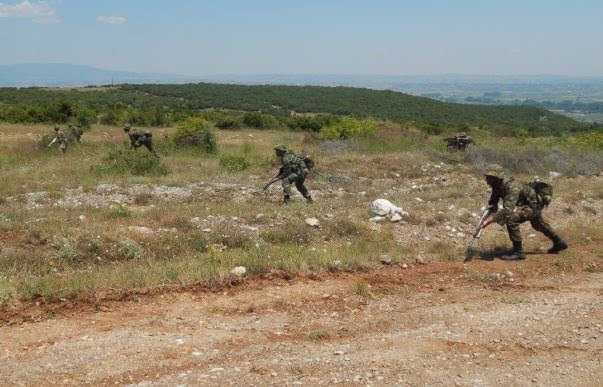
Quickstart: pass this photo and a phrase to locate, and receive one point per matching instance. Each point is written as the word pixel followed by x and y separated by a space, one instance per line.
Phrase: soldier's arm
pixel 509 202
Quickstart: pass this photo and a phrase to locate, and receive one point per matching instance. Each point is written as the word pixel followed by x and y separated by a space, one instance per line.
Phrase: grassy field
pixel 69 229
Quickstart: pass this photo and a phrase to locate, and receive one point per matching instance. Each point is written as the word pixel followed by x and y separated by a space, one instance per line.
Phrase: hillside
pixel 433 116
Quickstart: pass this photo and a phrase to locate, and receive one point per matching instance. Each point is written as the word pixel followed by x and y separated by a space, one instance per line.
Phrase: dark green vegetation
pixel 268 106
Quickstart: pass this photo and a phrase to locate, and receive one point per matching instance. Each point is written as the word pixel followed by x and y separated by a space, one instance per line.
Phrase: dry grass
pixel 55 250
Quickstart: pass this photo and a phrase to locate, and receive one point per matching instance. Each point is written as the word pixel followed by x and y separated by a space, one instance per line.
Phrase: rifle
pixel 52 142
pixel 279 174
pixel 469 253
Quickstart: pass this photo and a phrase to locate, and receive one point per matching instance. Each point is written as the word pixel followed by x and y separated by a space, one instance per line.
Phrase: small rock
pixel 179 341
pixel 140 230
pixel 386 260
pixel 396 218
pixel 338 353
pixel 419 200
pixel 259 216
pixel 404 266
pixel 509 273
pixel 531 236
pixel 420 260
pixel 196 354
pixel 376 219
pixel 82 218
pixel 334 266
pixel 329 216
pixel 312 222
pixel 239 271
pixel 554 175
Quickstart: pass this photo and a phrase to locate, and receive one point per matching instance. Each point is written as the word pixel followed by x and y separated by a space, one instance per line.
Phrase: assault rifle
pixel 279 175
pixel 469 253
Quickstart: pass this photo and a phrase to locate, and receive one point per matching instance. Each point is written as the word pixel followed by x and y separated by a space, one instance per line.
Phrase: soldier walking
pixel 139 138
pixel 521 203
pixel 60 139
pixel 293 171
pixel 76 132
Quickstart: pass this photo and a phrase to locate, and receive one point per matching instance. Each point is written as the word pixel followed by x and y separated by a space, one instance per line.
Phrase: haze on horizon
pixel 381 37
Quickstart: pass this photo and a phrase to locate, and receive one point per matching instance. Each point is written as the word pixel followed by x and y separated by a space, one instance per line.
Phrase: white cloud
pixel 39 12
pixel 111 19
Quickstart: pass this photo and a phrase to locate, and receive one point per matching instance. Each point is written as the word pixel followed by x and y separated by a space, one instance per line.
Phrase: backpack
pixel 544 192
pixel 307 159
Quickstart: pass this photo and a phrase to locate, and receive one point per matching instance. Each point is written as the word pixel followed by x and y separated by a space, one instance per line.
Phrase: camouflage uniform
pixel 520 204
pixel 460 141
pixel 293 171
pixel 139 138
pixel 60 139
pixel 76 132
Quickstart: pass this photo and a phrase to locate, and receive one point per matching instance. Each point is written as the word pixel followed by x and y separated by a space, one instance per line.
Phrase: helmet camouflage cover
pixel 495 170
pixel 280 148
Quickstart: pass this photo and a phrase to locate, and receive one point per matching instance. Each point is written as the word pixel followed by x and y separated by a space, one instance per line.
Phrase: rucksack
pixel 307 159
pixel 544 192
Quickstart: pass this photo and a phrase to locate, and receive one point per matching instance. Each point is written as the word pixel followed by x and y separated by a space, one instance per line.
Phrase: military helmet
pixel 462 134
pixel 495 170
pixel 280 148
pixel 127 127
pixel 56 127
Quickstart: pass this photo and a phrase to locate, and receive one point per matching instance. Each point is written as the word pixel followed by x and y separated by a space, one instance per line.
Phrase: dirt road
pixel 481 324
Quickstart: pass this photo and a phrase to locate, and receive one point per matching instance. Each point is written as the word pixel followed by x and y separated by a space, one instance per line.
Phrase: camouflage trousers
pixel 298 180
pixel 526 213
pixel 146 144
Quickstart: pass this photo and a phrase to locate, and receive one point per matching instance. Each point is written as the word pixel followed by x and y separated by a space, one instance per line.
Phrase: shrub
pixel 196 132
pixel 234 163
pixel 121 162
pixel 129 249
pixel 259 120
pixel 349 127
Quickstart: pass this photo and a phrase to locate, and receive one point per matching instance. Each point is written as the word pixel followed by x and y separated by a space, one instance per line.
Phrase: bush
pixel 196 132
pixel 121 162
pixel 259 120
pixel 349 127
pixel 234 163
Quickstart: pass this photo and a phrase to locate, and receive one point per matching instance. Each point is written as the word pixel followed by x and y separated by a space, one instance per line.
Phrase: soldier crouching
pixel 520 204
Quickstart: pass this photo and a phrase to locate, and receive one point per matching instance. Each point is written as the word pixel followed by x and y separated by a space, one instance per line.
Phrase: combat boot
pixel 309 200
pixel 558 245
pixel 517 253
pixel 287 200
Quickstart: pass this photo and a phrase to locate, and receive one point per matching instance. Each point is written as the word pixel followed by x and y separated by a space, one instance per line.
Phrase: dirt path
pixel 428 325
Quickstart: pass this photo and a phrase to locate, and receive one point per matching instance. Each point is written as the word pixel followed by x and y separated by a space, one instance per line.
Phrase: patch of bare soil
pixel 431 324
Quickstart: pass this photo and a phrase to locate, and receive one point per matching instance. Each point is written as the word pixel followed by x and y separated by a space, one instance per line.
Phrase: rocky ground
pixel 430 324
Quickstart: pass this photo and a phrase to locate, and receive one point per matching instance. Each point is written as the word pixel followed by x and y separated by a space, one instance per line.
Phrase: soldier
pixel 520 204
pixel 61 139
pixel 138 138
pixel 76 132
pixel 293 171
pixel 461 141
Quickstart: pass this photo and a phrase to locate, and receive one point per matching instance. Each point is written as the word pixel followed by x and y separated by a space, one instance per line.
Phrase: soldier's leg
pixel 287 181
pixel 149 146
pixel 299 184
pixel 539 224
pixel 521 215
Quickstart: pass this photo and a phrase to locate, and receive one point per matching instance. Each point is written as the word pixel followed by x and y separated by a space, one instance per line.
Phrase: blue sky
pixel 379 37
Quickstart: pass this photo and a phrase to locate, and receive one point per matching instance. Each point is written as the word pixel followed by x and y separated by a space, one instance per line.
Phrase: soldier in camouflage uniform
pixel 76 132
pixel 139 138
pixel 520 204
pixel 461 141
pixel 293 171
pixel 60 139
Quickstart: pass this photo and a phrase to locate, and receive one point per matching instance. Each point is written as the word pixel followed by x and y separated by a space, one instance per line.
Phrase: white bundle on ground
pixel 383 208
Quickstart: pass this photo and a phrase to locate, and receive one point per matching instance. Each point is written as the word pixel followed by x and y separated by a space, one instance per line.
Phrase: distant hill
pixel 56 74
pixel 156 103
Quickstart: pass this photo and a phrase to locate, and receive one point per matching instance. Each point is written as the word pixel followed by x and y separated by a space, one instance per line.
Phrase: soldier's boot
pixel 558 245
pixel 287 199
pixel 309 199
pixel 517 253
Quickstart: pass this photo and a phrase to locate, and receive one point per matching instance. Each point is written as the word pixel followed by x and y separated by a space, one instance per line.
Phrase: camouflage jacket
pixel 292 163
pixel 138 137
pixel 60 137
pixel 512 194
